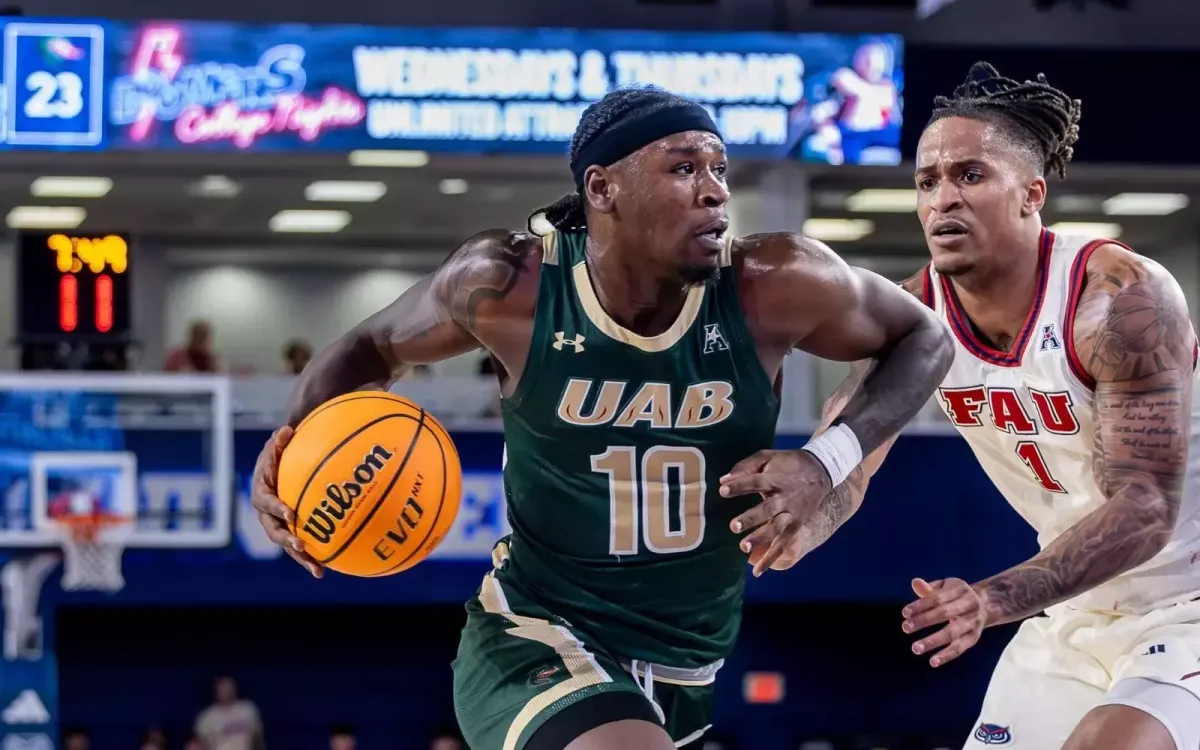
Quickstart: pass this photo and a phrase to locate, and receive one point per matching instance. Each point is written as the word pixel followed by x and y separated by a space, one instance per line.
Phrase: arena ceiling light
pixel 392 159
pixel 309 222
pixel 1092 229
pixel 882 201
pixel 46 217
pixel 345 191
pixel 1077 204
pixel 214 186
pixel 70 187
pixel 838 230
pixel 453 187
pixel 1144 204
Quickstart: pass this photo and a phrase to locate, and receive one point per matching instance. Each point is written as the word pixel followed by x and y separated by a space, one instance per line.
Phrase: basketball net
pixel 92 548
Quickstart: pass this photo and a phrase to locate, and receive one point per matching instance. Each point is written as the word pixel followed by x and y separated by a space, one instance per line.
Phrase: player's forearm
pixel 901 382
pixel 842 502
pixel 1127 531
pixel 837 508
pixel 348 364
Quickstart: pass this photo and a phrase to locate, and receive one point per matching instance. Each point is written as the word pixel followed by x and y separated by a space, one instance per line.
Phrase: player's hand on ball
pixel 954 602
pixel 792 484
pixel 275 517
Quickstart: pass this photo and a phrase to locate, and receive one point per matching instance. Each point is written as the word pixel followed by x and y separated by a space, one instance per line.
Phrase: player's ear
pixel 1035 197
pixel 599 190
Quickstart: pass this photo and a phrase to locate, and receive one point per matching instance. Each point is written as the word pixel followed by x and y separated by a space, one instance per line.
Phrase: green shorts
pixel 519 667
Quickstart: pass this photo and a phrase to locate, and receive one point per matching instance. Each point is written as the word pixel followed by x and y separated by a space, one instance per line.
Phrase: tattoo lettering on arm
pixel 1135 340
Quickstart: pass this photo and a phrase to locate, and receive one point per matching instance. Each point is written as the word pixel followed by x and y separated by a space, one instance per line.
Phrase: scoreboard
pixel 73 286
pixel 53 85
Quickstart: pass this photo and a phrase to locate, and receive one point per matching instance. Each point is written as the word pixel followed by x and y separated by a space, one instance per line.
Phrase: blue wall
pixel 377 653
pixel 930 512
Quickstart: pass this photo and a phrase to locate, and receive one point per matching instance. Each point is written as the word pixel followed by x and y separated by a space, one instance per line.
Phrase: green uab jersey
pixel 616 444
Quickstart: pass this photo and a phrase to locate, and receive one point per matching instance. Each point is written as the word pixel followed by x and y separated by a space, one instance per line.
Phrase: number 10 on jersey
pixel 657 501
pixel 54 75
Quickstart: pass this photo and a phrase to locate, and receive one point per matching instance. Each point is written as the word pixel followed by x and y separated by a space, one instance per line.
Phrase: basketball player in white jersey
pixel 1072 383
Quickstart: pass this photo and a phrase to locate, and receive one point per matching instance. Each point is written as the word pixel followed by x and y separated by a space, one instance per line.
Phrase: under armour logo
pixel 1049 338
pixel 713 340
pixel 561 340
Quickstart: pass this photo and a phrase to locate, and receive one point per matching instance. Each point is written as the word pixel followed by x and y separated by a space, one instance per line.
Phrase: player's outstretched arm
pixel 443 315
pixel 799 294
pixel 484 293
pixel 1134 337
pixel 845 499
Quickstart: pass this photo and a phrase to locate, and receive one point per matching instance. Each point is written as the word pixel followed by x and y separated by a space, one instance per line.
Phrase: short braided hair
pixel 1042 119
pixel 567 213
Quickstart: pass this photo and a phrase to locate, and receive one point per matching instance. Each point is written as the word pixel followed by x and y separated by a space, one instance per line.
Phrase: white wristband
pixel 838 450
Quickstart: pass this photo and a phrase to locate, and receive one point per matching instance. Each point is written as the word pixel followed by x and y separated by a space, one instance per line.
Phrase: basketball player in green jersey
pixel 639 354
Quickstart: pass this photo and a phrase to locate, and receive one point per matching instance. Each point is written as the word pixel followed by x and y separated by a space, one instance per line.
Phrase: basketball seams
pixel 381 500
pixel 356 396
pixel 317 469
pixel 441 506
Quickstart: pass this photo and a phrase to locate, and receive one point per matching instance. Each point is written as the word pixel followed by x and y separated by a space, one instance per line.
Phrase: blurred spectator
pixel 194 743
pixel 154 739
pixel 447 739
pixel 76 739
pixel 342 738
pixel 230 723
pixel 197 354
pixel 296 356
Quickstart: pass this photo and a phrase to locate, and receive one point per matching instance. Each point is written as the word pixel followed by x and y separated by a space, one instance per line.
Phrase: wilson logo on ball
pixel 339 498
pixel 410 516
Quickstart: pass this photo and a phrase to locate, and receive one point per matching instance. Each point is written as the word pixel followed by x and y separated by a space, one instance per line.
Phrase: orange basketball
pixel 375 482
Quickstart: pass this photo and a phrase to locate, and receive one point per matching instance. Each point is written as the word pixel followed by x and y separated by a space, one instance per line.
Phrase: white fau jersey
pixel 1028 417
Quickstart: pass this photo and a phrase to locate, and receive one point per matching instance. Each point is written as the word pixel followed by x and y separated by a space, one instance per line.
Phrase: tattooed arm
pixel 845 499
pixel 1135 339
pixel 482 295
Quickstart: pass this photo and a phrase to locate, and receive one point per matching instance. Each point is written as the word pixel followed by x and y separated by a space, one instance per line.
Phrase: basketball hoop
pixel 92 547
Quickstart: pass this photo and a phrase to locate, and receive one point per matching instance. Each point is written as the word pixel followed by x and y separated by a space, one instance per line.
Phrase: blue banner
pixel 219 86
pixel 201 86
pixel 915 522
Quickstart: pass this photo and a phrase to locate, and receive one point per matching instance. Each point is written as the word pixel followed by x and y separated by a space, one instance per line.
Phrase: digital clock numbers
pixel 74 285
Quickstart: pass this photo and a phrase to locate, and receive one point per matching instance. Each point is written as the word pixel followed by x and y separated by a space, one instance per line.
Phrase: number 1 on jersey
pixel 642 502
pixel 1031 454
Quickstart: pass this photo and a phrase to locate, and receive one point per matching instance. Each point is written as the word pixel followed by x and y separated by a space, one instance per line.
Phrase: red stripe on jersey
pixel 961 324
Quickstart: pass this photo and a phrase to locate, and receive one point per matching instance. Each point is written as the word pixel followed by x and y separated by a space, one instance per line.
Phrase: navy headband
pixel 622 139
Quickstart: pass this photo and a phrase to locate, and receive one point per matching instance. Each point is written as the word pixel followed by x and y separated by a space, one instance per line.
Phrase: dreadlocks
pixel 567 213
pixel 1040 118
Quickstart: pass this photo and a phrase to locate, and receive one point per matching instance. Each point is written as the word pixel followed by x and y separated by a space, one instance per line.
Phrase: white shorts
pixel 1058 668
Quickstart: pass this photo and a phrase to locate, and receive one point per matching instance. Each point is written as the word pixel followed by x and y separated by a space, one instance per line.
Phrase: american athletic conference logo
pixel 993 734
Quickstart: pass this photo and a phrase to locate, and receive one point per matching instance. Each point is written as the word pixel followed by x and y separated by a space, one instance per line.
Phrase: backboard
pixel 155 448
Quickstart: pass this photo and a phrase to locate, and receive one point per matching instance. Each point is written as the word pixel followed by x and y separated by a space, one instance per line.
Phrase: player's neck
pixel 630 294
pixel 997 297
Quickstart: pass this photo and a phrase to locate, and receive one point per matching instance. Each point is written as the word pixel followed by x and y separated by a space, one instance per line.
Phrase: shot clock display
pixel 73 286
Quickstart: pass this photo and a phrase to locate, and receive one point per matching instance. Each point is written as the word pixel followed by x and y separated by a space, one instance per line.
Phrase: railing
pixel 471 402
pixel 459 401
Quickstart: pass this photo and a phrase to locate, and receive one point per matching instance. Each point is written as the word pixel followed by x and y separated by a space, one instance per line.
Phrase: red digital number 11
pixel 68 303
